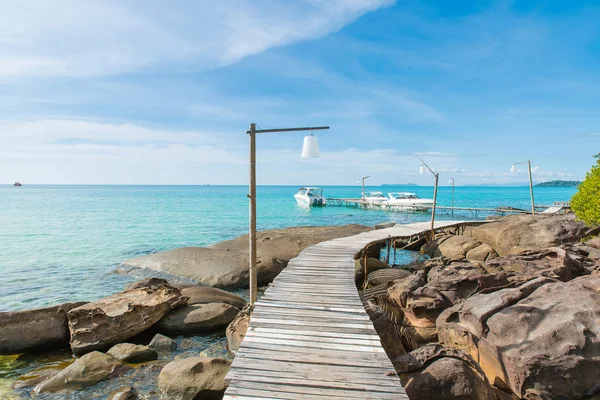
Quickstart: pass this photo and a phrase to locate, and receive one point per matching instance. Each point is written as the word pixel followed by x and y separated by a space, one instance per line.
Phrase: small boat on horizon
pixel 18 184
pixel 310 197
pixel 404 201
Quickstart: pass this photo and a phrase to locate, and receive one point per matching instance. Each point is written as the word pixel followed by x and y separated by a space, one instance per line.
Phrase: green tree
pixel 586 202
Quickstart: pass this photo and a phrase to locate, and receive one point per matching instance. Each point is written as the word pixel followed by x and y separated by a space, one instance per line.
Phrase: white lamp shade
pixel 310 148
pixel 513 168
pixel 422 169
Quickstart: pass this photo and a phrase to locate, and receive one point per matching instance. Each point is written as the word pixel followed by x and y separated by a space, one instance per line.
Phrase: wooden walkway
pixel 309 335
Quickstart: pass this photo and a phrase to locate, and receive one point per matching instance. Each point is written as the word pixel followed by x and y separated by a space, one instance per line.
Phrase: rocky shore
pixel 145 341
pixel 509 309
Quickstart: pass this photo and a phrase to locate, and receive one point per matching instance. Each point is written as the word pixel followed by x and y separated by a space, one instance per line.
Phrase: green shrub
pixel 586 202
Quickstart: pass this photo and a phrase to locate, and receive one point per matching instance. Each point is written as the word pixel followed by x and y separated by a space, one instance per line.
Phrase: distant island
pixel 399 184
pixel 559 184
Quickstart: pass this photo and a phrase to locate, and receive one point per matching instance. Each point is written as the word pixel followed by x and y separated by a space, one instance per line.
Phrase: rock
pixel 483 252
pixel 447 378
pixel 123 393
pixel 119 317
pixel 32 378
pixel 384 225
pixel 86 371
pixel 198 318
pixel 162 343
pixel 383 276
pixel 194 377
pixel 595 243
pixel 457 247
pixel 552 263
pixel 236 330
pixel 517 233
pixel 540 340
pixel 206 294
pixel 35 329
pixel 132 353
pixel 390 339
pixel 373 264
pixel 225 264
pixel 144 283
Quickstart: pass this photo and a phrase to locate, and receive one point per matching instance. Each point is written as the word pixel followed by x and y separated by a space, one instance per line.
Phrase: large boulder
pixel 483 252
pixel 207 294
pixel 194 378
pixel 198 318
pixel 457 247
pixel 119 317
pixel 516 233
pixel 540 340
pixel 236 330
pixel 373 264
pixel 40 328
pixel 225 264
pixel 132 353
pixel 162 343
pixel 553 262
pixel 432 373
pixel 86 371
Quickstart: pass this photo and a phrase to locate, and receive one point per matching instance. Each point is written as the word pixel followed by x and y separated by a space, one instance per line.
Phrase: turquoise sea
pixel 62 243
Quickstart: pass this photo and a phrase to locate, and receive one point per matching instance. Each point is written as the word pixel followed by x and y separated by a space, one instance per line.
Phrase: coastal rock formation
pixel 146 282
pixel 457 247
pixel 225 264
pixel 35 329
pixel 162 343
pixel 539 340
pixel 236 330
pixel 123 393
pixel 207 294
pixel 595 243
pixel 34 377
pixel 483 252
pixel 132 353
pixel 435 373
pixel 86 371
pixel 383 276
pixel 194 377
pixel 198 318
pixel 119 317
pixel 516 233
pixel 373 264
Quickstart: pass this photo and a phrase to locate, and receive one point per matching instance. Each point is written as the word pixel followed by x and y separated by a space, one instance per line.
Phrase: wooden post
pixel 252 233
pixel 452 196
pixel 434 204
pixel 531 188
pixel 365 270
pixel 389 248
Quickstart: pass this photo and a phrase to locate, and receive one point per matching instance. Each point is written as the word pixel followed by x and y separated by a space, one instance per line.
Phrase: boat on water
pixel 18 184
pixel 310 197
pixel 404 201
pixel 375 197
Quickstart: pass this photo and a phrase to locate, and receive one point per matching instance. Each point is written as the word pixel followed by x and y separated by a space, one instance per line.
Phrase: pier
pixel 310 336
pixel 472 212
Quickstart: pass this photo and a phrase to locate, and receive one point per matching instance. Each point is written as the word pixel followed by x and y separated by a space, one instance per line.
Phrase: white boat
pixel 310 197
pixel 375 197
pixel 404 201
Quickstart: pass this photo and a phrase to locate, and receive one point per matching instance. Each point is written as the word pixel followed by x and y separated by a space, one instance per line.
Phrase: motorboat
pixel 310 197
pixel 403 201
pixel 18 184
pixel 375 197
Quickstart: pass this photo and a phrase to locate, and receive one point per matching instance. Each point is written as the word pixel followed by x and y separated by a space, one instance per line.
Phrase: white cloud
pixel 82 38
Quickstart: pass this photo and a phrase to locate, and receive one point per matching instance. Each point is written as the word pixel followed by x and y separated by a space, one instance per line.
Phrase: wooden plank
pixel 306 332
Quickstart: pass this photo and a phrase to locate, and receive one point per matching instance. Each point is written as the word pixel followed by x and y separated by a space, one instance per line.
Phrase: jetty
pixel 472 212
pixel 310 336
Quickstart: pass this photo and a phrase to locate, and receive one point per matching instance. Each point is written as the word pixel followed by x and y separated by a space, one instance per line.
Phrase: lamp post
pixel 423 169
pixel 310 148
pixel 513 168
pixel 451 180
pixel 363 185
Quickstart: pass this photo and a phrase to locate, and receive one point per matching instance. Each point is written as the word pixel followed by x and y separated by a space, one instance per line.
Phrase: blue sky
pixel 152 92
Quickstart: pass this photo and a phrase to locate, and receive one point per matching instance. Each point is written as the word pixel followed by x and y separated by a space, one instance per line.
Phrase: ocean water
pixel 62 243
